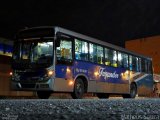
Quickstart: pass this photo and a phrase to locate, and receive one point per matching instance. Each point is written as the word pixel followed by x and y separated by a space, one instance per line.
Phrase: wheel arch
pixel 134 83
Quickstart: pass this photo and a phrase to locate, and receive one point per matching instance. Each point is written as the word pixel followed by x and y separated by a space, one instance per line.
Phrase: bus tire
pixel 78 89
pixel 43 94
pixel 133 91
pixel 102 95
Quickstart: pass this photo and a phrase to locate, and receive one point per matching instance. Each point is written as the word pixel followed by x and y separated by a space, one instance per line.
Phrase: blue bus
pixel 53 59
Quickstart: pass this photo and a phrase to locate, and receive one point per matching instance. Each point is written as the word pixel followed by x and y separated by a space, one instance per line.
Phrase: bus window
pixel 133 63
pixel 130 63
pixel 41 51
pixel 93 52
pixel 112 54
pixel 143 64
pixel 64 51
pixel 107 61
pixel 137 65
pixel 146 66
pixel 125 60
pixel 110 57
pixel 100 54
pixel 84 54
pixel 150 67
pixel 81 50
pixel 140 66
pixel 122 60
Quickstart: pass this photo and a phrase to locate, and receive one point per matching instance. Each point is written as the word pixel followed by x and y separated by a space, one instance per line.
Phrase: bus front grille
pixel 28 85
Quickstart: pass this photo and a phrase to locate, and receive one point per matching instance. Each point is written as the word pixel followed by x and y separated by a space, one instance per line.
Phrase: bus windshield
pixel 34 52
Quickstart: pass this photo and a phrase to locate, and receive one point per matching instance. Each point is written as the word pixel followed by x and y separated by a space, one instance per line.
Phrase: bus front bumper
pixel 38 86
pixel 54 84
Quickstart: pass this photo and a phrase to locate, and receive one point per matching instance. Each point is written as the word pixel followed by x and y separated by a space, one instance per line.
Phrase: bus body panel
pixel 145 84
pixel 106 79
pixel 62 85
pixel 100 77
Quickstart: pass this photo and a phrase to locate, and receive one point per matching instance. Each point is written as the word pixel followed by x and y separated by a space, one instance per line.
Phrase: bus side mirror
pixel 57 43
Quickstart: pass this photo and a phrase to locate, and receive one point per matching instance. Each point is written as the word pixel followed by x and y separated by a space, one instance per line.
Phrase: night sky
pixel 113 21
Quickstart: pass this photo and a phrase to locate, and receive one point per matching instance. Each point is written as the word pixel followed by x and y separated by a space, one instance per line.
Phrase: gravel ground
pixel 84 109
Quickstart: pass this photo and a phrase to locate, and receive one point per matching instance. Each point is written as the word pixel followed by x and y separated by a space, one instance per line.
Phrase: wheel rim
pixel 79 89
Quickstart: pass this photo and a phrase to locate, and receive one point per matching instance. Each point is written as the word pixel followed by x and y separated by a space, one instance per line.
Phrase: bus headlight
pixel 50 73
pixel 10 73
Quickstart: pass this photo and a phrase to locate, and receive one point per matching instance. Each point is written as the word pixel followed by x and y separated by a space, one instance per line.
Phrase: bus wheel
pixel 102 95
pixel 43 94
pixel 133 91
pixel 78 89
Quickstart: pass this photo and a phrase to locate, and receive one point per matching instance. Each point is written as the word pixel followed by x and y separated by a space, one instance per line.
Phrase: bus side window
pixel 100 54
pixel 150 67
pixel 146 66
pixel 93 52
pixel 81 50
pixel 125 60
pixel 140 65
pixel 84 54
pixel 135 63
pixel 113 58
pixel 143 65
pixel 78 48
pixel 64 51
pixel 120 59
pixel 107 61
pixel 130 63
pixel 110 57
